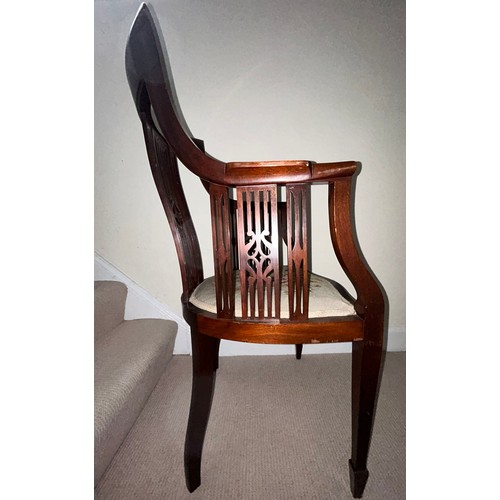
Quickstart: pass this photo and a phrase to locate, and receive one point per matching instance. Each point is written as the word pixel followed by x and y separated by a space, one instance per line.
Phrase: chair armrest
pixel 370 299
pixel 329 171
pixel 287 171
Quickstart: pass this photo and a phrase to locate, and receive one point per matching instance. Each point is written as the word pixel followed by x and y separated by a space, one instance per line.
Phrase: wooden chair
pixel 252 296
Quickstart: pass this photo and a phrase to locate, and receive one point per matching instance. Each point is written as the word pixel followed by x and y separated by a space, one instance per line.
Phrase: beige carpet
pixel 279 429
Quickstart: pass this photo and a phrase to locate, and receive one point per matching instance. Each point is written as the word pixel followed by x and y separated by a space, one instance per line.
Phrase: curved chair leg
pixel 205 364
pixel 298 350
pixel 366 361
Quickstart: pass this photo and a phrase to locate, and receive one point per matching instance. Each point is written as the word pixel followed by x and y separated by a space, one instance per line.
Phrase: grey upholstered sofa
pixel 130 356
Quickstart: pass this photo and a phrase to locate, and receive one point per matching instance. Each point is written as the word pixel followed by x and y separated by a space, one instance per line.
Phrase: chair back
pixel 249 222
pixel 167 138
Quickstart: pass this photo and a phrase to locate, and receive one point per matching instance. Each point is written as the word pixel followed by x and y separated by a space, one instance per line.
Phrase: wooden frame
pixel 248 232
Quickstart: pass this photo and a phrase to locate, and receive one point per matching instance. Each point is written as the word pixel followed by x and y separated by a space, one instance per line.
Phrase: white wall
pixel 258 80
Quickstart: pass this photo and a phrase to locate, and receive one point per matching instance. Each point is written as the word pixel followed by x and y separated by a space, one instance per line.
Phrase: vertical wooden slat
pixel 258 249
pixel 165 172
pixel 221 237
pixel 297 248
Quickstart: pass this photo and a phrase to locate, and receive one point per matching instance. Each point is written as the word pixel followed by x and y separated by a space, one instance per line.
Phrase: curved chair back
pixel 167 139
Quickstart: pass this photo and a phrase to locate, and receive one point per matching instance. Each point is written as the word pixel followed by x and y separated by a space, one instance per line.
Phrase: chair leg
pixel 298 350
pixel 366 362
pixel 205 364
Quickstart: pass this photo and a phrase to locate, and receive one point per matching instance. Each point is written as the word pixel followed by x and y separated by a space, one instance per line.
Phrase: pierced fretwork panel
pixel 258 241
pixel 223 252
pixel 298 277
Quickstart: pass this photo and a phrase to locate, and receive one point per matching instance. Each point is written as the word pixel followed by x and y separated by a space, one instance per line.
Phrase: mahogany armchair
pixel 253 296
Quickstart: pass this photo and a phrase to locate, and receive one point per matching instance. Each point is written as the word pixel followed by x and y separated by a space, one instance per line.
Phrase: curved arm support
pixel 370 300
pixel 149 77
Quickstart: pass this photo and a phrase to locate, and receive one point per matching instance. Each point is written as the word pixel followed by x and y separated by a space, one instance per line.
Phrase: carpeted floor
pixel 279 429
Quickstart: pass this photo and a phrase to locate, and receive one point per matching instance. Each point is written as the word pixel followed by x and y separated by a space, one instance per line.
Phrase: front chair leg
pixel 205 364
pixel 366 360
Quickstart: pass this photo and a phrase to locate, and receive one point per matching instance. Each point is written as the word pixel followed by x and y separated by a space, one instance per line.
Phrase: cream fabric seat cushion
pixel 324 299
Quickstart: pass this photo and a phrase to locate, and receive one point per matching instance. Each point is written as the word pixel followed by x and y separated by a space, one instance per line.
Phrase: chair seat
pixel 324 299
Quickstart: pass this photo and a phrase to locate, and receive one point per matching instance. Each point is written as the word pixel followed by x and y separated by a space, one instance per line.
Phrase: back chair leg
pixel 205 364
pixel 366 361
pixel 298 350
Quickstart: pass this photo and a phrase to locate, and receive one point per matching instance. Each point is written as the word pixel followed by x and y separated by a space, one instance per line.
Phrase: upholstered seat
pixel 324 298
